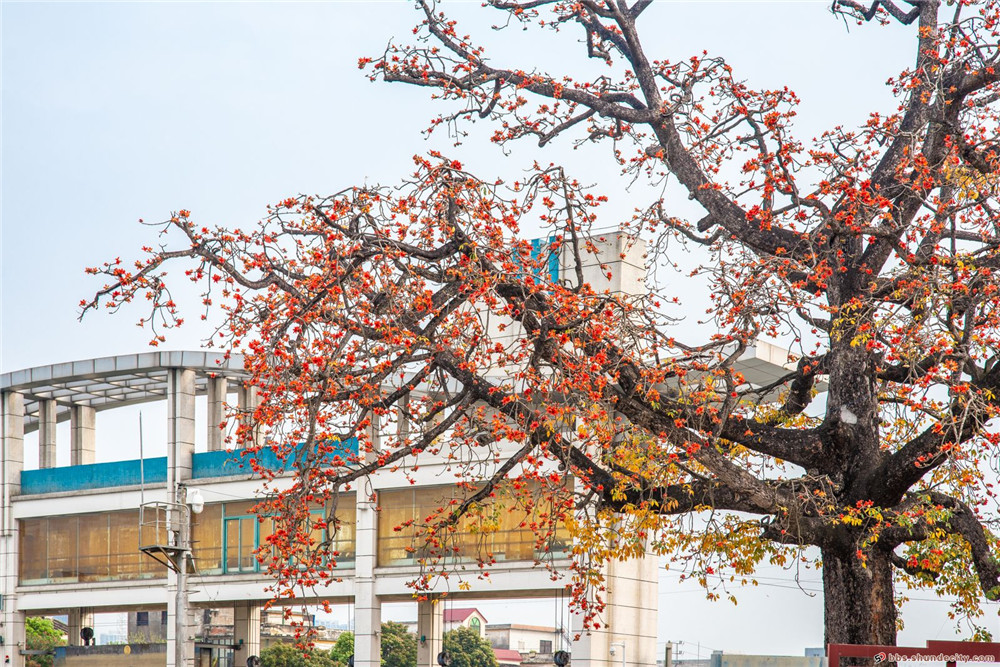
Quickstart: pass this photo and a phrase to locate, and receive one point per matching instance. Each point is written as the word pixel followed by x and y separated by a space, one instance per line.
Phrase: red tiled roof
pixel 507 655
pixel 459 615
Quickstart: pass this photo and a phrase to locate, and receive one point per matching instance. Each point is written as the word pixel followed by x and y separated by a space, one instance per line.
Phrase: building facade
pixel 72 540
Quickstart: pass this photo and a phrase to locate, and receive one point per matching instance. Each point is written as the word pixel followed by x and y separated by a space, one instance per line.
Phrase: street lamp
pixel 196 501
pixel 615 645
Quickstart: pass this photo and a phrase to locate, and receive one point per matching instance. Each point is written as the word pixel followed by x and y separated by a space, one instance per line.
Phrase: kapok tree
pixel 417 320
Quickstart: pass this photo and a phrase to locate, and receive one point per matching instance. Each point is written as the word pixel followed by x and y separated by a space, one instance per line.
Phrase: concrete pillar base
pixel 78 619
pixel 430 632
pixel 367 625
pixel 630 619
pixel 246 631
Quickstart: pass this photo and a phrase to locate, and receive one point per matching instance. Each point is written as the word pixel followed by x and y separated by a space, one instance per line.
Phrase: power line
pixel 789 587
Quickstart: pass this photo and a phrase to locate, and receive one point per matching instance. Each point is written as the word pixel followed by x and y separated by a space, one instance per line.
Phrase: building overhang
pixel 113 382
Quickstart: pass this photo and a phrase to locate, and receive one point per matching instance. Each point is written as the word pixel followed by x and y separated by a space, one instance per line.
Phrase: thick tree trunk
pixel 858 598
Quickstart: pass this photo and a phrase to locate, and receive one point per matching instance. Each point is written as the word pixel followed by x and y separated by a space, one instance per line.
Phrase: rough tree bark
pixel 858 601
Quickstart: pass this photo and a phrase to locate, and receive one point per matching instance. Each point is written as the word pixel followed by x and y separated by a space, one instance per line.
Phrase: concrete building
pixel 526 639
pixel 78 539
pixel 147 627
pixel 536 644
pixel 507 657
pixel 71 536
pixel 217 627
pixel 722 659
pixel 813 658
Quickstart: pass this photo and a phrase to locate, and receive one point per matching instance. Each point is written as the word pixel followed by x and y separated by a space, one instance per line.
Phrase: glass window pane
pixel 94 543
pixel 206 538
pixel 240 508
pixel 124 555
pixel 248 543
pixel 502 530
pixel 62 543
pixel 345 538
pixel 232 545
pixel 396 508
pixel 33 551
pixel 266 529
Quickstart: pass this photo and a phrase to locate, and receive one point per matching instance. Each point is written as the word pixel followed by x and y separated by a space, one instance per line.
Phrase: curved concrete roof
pixel 113 382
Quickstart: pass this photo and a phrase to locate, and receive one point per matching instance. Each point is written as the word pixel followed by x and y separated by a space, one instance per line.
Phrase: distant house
pixel 514 644
pixel 507 657
pixel 812 658
pixel 147 626
pixel 526 639
pixel 216 626
pixel 465 618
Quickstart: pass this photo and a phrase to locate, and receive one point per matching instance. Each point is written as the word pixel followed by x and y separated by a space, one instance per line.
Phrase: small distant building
pixel 216 627
pixel 507 657
pixel 147 627
pixel 721 659
pixel 524 639
pixel 468 617
pixel 514 644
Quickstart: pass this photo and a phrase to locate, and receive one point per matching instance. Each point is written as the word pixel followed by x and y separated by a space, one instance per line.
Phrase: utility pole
pixel 165 535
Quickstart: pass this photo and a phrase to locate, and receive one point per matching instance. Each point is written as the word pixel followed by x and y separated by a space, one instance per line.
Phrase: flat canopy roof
pixel 113 382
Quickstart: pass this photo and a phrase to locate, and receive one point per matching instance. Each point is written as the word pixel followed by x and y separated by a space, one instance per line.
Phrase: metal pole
pixel 181 563
pixel 142 466
pixel 180 613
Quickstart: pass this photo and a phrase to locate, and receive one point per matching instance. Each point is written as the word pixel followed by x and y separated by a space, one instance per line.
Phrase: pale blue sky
pixel 113 112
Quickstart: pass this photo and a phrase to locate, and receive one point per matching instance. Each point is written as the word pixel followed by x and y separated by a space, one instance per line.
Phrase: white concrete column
pixel 246 631
pixel 78 619
pixel 430 632
pixel 367 606
pixel 46 434
pixel 630 618
pixel 180 449
pixel 403 418
pixel 246 402
pixel 11 465
pixel 374 434
pixel 180 426
pixel 217 387
pixel 83 440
